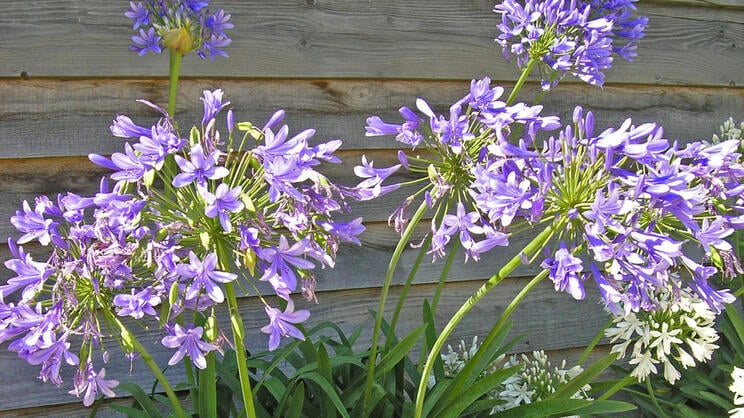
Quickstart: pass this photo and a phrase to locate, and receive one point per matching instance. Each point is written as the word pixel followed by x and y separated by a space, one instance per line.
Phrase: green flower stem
pixel 651 395
pixel 628 380
pixel 208 388
pixel 496 329
pixel 443 277
pixel 128 339
pixel 174 71
pixel 404 292
pixel 192 383
pixel 238 338
pixel 520 82
pixel 402 243
pixel 537 244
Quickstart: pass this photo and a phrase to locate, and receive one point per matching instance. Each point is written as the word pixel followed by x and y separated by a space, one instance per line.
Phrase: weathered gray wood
pixel 336 38
pixel 65 72
pixel 45 118
pixel 729 4
pixel 535 318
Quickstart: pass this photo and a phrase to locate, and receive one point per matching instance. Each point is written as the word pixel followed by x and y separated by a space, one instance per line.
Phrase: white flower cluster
pixel 737 388
pixel 534 381
pixel 680 330
pixel 729 130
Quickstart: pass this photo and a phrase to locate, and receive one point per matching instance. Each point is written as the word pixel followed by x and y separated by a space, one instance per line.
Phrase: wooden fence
pixel 65 72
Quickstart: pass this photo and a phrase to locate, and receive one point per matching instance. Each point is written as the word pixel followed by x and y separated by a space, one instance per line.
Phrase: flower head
pixel 179 25
pixel 281 323
pixel 91 383
pixel 576 37
pixel 676 334
pixel 189 342
pixel 181 218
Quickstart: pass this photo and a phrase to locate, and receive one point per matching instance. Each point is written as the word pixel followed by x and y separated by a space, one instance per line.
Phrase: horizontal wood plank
pixel 535 319
pixel 49 118
pixel 354 39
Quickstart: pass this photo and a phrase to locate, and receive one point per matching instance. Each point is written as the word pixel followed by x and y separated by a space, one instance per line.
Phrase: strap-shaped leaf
pixel 430 339
pixel 560 407
pixel 583 378
pixel 475 392
pixel 142 398
pixel 296 400
pixel 129 411
pixel 330 392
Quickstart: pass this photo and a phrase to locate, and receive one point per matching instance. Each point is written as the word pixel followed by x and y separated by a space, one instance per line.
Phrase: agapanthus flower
pixel 534 378
pixel 223 202
pixel 565 272
pixel 577 36
pixel 181 221
pixel 626 205
pixel 91 383
pixel 179 25
pixel 204 275
pixel 737 389
pixel 199 167
pixel 188 341
pixel 679 332
pixel 280 323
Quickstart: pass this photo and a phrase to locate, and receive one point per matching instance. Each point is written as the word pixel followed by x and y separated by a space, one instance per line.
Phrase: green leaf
pixel 129 411
pixel 604 407
pixel 227 375
pixel 431 338
pixel 324 370
pixel 736 321
pixel 296 401
pixel 475 392
pixel 583 378
pixel 551 407
pixel 141 397
pixel 330 392
pixel 716 400
pixel 484 357
pixel 276 388
pixel 399 351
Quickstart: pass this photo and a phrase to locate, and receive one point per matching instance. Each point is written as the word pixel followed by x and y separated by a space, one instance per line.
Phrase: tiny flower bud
pixel 178 40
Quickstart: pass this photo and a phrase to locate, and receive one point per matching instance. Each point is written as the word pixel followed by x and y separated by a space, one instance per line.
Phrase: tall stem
pixel 520 82
pixel 238 337
pixel 404 292
pixel 402 243
pixel 496 329
pixel 537 244
pixel 174 70
pixel 129 339
pixel 208 388
pixel 443 277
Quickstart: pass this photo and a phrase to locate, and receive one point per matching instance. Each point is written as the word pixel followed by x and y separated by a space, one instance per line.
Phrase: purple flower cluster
pixel 461 166
pixel 576 36
pixel 180 25
pixel 635 205
pixel 182 219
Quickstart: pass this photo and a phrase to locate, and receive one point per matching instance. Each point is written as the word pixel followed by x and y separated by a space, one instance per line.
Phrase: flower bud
pixel 178 40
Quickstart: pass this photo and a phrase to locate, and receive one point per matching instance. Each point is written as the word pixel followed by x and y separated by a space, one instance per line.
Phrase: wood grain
pixel 354 39
pixel 50 118
pixel 65 72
